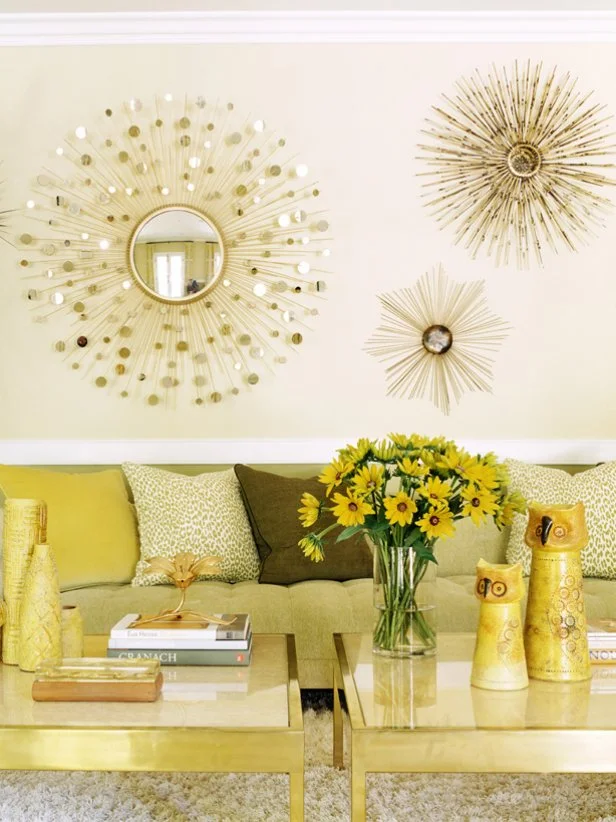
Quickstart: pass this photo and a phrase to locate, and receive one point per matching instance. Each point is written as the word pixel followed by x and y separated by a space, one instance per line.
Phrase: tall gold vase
pixel 40 623
pixel 25 523
pixel 555 629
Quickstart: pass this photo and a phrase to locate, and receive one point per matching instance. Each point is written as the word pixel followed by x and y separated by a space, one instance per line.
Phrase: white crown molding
pixel 272 451
pixel 124 28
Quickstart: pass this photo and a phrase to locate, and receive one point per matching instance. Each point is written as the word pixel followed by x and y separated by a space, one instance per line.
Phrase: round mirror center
pixel 524 160
pixel 437 339
pixel 176 254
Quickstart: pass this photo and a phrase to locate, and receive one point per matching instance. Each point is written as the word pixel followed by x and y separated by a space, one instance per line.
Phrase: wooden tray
pixel 60 690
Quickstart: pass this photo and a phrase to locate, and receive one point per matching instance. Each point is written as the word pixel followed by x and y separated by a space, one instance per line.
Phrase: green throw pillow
pixel 272 502
pixel 202 514
pixel 596 488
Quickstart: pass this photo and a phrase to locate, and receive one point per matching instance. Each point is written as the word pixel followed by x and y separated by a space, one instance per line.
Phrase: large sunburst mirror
pixel 516 163
pixel 436 337
pixel 176 244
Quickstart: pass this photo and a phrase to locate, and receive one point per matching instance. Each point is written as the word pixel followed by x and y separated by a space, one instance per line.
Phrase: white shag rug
pixel 35 796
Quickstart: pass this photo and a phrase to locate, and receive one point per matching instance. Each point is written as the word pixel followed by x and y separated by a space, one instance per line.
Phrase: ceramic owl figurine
pixel 555 629
pixel 498 662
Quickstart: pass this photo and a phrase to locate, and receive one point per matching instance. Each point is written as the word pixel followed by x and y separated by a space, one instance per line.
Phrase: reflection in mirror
pixel 176 254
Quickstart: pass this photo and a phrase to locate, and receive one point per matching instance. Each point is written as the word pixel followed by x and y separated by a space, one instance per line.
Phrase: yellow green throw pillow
pixel 596 488
pixel 91 524
pixel 204 515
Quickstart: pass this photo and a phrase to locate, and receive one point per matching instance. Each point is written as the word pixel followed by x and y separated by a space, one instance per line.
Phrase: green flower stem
pixel 401 622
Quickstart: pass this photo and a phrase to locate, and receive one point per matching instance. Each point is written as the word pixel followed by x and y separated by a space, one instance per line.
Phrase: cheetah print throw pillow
pixel 596 488
pixel 203 514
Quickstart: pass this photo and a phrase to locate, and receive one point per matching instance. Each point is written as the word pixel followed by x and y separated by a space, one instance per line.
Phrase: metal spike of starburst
pixel 435 338
pixel 516 163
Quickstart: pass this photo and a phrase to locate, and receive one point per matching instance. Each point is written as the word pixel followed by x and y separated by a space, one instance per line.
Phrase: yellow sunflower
pixel 513 503
pixel 428 457
pixel 310 510
pixel 437 523
pixel 385 451
pixel 369 478
pixel 413 468
pixel 478 472
pixel 435 491
pixel 504 515
pixel 351 509
pixel 477 503
pixel 452 459
pixel 357 453
pixel 399 510
pixel 333 474
pixel 401 440
pixel 312 546
pixel 519 503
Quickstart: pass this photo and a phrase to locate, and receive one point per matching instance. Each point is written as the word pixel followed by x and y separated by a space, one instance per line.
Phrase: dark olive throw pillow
pixel 271 503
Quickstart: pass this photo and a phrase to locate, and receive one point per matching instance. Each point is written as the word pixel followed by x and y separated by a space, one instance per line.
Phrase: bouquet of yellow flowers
pixel 404 493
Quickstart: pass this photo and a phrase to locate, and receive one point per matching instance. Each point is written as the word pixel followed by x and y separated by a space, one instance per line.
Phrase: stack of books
pixel 173 643
pixel 602 641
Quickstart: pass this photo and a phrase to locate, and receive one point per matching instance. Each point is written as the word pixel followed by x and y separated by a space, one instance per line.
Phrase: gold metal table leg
pixel 296 798
pixel 358 791
pixel 338 749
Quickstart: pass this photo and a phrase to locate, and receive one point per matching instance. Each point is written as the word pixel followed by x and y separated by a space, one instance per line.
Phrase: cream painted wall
pixel 353 113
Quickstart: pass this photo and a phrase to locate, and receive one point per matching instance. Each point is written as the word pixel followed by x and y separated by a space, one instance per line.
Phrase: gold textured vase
pixel 25 524
pixel 499 663
pixel 40 622
pixel 72 632
pixel 555 630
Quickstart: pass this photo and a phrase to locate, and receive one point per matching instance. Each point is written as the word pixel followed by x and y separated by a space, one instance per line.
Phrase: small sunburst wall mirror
pixel 176 245
pixel 435 338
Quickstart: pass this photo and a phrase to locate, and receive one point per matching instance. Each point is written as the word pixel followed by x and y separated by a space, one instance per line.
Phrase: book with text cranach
pixel 167 656
pixel 180 629
pixel 173 644
pixel 601 633
pixel 602 656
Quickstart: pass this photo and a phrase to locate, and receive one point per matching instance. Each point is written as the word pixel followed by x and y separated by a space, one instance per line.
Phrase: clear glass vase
pixel 404 602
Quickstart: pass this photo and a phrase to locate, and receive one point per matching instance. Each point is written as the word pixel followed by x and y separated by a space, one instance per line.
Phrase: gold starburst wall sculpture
pixel 516 163
pixel 178 248
pixel 435 338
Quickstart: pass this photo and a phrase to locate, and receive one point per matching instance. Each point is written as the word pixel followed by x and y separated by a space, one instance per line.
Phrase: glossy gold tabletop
pixel 207 719
pixel 435 692
pixel 192 697
pixel 422 715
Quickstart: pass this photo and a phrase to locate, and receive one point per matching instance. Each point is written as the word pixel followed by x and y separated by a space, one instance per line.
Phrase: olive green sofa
pixel 315 609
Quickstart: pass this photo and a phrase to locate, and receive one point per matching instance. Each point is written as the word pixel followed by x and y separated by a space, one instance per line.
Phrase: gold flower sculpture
pixel 183 570
pixel 435 337
pixel 516 161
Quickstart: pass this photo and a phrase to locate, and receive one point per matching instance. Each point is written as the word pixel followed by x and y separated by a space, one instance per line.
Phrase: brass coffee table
pixel 423 716
pixel 208 719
